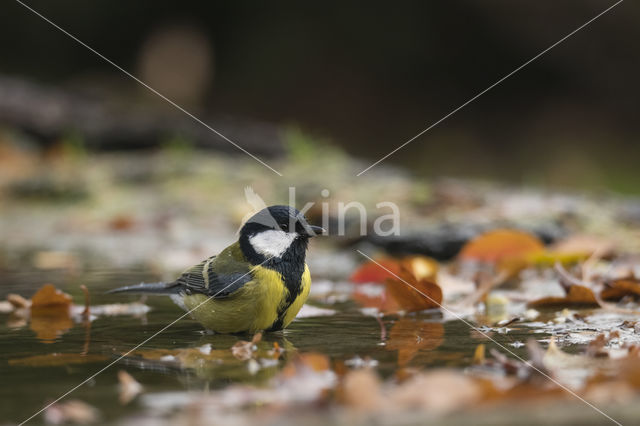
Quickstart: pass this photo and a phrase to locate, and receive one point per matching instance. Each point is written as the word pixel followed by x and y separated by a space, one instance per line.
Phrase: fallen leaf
pixel 621 288
pixel 49 296
pixel 129 387
pixel 413 294
pixel 410 335
pixel 382 269
pixel 50 313
pixel 372 272
pixel 497 245
pixel 577 295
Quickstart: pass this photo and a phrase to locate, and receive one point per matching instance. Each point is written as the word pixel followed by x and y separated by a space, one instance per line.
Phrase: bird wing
pixel 216 277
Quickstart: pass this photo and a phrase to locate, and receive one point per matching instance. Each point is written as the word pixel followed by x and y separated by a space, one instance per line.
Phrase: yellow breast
pixel 252 308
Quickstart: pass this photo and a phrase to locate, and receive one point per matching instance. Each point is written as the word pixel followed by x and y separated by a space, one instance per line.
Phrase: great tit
pixel 258 283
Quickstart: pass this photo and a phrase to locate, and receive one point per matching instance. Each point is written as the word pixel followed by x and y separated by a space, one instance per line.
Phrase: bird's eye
pixel 284 227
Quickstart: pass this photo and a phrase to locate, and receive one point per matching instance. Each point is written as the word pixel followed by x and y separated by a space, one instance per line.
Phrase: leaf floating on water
pixel 50 297
pixel 129 387
pixel 50 313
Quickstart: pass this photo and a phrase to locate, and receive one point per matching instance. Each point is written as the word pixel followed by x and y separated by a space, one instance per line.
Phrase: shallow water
pixel 348 336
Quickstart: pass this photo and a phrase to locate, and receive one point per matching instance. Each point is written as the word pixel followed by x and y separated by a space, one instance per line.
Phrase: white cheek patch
pixel 272 243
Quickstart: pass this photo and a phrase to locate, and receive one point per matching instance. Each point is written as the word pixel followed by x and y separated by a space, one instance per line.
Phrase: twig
pixel 87 302
pixel 383 329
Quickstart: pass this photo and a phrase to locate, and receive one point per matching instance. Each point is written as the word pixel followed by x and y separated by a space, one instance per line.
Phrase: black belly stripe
pixel 291 266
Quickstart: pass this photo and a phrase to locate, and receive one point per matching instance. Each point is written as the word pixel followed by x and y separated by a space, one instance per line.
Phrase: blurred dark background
pixel 365 75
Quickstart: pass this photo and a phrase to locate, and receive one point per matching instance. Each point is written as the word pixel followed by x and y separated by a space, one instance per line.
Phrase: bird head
pixel 276 231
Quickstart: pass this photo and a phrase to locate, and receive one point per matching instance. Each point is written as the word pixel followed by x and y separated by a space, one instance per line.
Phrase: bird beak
pixel 313 230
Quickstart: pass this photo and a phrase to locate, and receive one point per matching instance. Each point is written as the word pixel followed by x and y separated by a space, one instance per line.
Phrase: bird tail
pixel 147 288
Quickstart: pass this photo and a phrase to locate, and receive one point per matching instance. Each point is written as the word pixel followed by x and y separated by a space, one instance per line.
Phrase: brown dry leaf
pixel 244 350
pixel 129 387
pixel 49 296
pixel 72 411
pixel 621 288
pixel 57 359
pixel 414 295
pixel 50 313
pixel 500 244
pixel 577 295
pixel 409 335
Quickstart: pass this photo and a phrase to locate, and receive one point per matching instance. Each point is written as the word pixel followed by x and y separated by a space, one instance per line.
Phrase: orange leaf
pixel 577 295
pixel 412 294
pixel 50 316
pixel 49 296
pixel 500 244
pixel 372 272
